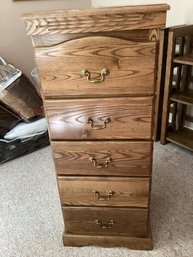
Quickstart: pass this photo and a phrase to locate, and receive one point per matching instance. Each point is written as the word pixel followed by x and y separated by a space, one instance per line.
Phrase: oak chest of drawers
pixel 98 74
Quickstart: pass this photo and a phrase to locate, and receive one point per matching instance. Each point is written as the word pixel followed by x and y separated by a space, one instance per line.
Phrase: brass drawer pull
pixel 103 197
pixel 104 225
pixel 91 122
pixel 100 166
pixel 105 72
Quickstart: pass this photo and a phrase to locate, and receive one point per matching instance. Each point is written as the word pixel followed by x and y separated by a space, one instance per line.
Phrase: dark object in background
pixel 8 120
pixel 19 102
pixel 21 97
pixel 18 147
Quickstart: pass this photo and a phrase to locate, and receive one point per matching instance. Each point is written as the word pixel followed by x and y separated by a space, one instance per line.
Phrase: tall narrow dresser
pixel 98 81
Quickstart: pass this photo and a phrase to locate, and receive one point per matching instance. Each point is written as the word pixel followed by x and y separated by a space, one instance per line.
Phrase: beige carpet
pixel 31 221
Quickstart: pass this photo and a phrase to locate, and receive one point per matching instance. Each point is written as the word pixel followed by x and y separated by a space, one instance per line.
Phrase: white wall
pixel 181 11
pixel 15 45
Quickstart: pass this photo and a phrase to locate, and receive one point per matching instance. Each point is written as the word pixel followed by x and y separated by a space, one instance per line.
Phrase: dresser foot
pixel 134 243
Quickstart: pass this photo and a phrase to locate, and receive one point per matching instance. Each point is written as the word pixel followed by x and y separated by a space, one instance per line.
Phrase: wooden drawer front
pixel 97 191
pixel 131 65
pixel 115 158
pixel 130 118
pixel 106 221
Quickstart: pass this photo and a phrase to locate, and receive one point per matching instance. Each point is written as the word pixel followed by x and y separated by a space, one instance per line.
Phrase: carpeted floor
pixel 31 221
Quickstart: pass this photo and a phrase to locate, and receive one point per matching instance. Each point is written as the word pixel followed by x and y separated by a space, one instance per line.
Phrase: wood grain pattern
pixel 154 34
pixel 131 65
pixel 131 118
pixel 135 243
pixel 125 40
pixel 127 158
pixel 127 192
pixel 58 38
pixel 94 20
pixel 126 221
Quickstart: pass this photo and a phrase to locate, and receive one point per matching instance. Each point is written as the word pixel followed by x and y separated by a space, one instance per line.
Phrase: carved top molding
pixel 96 19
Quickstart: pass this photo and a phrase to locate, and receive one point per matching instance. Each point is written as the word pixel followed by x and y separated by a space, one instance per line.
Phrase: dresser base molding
pixel 134 243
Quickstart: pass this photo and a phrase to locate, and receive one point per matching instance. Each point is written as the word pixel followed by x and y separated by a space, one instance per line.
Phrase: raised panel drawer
pixel 113 158
pixel 104 118
pixel 131 65
pixel 106 221
pixel 100 191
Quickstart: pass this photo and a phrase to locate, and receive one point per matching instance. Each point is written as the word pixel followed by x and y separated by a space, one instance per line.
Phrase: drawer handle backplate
pixel 104 225
pixel 103 126
pixel 100 78
pixel 100 166
pixel 103 197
